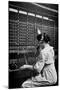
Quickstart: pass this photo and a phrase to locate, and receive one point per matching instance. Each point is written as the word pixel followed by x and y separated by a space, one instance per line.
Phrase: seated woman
pixel 44 65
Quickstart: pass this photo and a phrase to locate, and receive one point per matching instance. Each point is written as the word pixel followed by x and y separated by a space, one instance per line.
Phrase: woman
pixel 44 65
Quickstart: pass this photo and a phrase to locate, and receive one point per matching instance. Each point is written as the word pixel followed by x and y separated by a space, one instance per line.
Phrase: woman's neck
pixel 46 44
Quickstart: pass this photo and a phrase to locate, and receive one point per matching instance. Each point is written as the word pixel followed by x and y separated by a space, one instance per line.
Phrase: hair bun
pixel 39 37
pixel 46 38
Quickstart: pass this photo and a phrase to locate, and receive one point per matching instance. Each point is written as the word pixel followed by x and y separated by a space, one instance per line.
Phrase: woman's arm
pixel 40 62
pixel 39 66
pixel 26 66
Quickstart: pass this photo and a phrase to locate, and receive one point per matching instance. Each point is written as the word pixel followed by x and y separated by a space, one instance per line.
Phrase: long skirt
pixel 49 77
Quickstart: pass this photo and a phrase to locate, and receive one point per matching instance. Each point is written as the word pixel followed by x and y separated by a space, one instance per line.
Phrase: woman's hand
pixel 26 66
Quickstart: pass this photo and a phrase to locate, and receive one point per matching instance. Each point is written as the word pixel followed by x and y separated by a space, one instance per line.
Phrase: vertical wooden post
pixel 54 33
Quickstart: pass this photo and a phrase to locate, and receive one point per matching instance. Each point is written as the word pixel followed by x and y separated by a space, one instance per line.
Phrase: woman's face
pixel 42 45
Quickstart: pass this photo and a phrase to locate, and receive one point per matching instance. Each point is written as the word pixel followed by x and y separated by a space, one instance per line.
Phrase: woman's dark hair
pixel 39 37
pixel 46 38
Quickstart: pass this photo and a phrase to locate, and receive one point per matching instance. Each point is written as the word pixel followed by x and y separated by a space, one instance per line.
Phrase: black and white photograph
pixel 33 44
